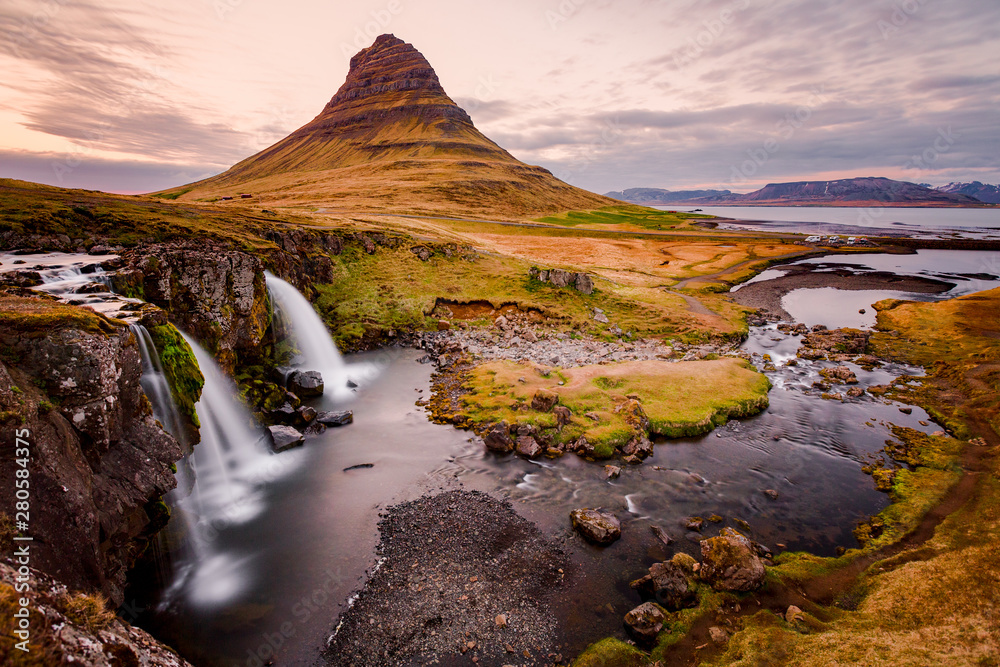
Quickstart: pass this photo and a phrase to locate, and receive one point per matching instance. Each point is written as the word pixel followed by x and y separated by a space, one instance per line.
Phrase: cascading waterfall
pixel 154 383
pixel 226 473
pixel 310 335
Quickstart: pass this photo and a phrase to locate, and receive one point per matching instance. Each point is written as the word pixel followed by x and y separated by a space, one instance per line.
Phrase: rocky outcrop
pixel 69 380
pixel 210 291
pixel 69 628
pixel 581 282
pixel 730 562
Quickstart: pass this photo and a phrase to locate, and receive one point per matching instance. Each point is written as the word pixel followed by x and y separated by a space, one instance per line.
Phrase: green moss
pixel 181 369
pixel 611 653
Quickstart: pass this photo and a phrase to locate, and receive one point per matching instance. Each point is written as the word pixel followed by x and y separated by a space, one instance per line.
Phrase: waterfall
pixel 307 331
pixel 154 383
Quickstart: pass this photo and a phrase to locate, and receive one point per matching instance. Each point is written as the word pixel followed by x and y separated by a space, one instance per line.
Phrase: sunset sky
pixel 140 95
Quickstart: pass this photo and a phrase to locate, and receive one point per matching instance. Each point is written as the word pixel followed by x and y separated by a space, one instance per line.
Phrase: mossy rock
pixel 611 653
pixel 181 368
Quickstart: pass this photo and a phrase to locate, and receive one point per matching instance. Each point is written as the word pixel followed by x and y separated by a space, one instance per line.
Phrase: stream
pixel 264 550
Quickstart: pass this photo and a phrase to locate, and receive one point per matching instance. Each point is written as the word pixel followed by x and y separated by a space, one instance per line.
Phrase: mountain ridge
pixel 861 191
pixel 984 192
pixel 392 138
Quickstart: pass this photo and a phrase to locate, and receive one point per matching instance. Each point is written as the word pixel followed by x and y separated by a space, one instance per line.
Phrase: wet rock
pixel 544 400
pixel 285 437
pixel 583 448
pixel 840 374
pixel 21 278
pixel 612 472
pixel 906 411
pixel 284 414
pixel 639 447
pixel 668 583
pixel 695 523
pixel 307 414
pixel 341 418
pixel 730 562
pixel 99 250
pixel 661 535
pixel 351 384
pixel 686 562
pixel 855 392
pixel 306 384
pixel 596 526
pixel 92 288
pixel 497 438
pixel 645 622
pixel 528 447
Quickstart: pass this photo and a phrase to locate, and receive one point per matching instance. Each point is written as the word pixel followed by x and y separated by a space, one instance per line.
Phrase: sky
pixel 141 95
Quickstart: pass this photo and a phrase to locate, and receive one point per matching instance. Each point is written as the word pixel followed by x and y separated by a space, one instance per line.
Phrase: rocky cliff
pixel 99 460
pixel 209 290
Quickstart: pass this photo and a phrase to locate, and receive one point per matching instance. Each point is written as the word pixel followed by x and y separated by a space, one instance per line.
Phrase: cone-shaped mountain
pixel 392 139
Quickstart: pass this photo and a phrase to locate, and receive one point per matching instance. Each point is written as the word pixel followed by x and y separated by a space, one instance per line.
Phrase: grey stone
pixel 285 437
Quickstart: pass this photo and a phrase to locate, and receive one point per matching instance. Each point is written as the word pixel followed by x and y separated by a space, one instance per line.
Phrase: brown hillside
pixel 392 139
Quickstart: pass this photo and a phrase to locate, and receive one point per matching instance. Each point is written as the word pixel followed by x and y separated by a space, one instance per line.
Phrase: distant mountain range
pixel 391 139
pixel 845 192
pixel 984 193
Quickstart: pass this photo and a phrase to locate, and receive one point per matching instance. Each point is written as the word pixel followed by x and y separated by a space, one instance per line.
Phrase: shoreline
pixel 766 295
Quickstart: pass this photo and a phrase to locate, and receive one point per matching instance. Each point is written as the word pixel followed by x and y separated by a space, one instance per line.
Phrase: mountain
pixel 392 140
pixel 658 197
pixel 845 192
pixel 981 191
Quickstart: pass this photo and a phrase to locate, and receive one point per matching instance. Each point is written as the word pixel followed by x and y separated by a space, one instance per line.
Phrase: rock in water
pixel 285 437
pixel 528 447
pixel 645 622
pixel 498 439
pixel 730 562
pixel 306 384
pixel 596 526
pixel 335 418
pixel 668 583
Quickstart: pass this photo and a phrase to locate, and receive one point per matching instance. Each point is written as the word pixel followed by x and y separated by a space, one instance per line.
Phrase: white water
pixel 317 351
pixel 221 484
pixel 154 384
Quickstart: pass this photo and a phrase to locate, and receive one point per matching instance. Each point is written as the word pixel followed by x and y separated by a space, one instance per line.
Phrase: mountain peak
pixel 391 138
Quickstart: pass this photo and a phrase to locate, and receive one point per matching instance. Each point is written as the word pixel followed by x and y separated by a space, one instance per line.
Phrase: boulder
pixel 335 418
pixel 601 318
pixel 284 414
pixel 563 414
pixel 645 622
pixel 583 283
pixel 560 278
pixel 544 400
pixel 730 562
pixel 307 414
pixel 612 472
pixel 639 446
pixel 285 437
pixel 497 438
pixel 528 447
pixel 306 384
pixel 668 583
pixel 596 526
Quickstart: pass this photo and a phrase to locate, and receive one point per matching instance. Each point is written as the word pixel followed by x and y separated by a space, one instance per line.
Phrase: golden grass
pixel 37 317
pixel 680 399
